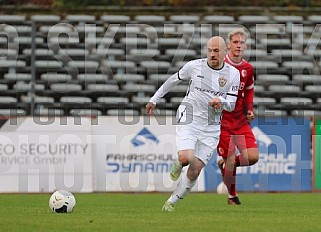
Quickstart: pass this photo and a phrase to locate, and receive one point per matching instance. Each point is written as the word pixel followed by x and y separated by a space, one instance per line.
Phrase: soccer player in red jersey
pixel 235 128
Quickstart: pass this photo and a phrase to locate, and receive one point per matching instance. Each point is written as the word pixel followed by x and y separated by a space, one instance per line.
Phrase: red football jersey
pixel 244 101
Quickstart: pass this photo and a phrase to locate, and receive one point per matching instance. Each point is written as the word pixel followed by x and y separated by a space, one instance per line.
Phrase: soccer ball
pixel 221 188
pixel 62 201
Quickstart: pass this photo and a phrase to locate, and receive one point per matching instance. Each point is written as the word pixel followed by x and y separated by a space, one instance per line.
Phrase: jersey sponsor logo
pixel 142 137
pixel 215 93
pixel 200 76
pixel 235 88
pixel 222 81
pixel 243 73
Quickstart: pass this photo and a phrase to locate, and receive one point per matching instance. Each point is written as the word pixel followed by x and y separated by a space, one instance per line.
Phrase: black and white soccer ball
pixel 62 201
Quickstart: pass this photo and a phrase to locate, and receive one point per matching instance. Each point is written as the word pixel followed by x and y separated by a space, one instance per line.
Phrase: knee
pixel 253 158
pixel 183 159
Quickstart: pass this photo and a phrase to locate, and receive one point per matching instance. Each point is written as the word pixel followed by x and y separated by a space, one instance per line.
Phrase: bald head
pixel 216 41
pixel 216 50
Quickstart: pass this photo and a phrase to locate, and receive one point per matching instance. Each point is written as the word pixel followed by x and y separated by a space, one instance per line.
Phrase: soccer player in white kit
pixel 213 86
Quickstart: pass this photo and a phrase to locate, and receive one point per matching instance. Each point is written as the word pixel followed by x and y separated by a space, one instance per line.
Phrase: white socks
pixel 183 188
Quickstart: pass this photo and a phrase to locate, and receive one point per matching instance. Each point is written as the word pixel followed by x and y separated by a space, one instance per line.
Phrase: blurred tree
pixel 41 2
pixel 58 3
pixel 148 2
pixel 190 3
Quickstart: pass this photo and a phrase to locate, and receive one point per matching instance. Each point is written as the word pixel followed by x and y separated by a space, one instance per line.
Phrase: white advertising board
pixel 110 154
pixel 46 154
pixel 135 154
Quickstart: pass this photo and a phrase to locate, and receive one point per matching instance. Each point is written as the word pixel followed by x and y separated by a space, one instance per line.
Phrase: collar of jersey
pixel 232 62
pixel 215 68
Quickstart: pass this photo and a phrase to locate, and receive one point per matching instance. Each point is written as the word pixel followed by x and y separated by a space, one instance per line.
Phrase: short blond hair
pixel 237 31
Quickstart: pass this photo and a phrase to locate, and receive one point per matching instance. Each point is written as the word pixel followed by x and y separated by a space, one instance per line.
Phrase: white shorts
pixel 202 142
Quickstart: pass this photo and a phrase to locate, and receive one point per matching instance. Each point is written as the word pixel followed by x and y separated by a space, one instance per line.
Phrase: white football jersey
pixel 205 83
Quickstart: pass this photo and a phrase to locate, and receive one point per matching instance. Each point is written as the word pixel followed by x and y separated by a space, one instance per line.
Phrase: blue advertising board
pixel 285 158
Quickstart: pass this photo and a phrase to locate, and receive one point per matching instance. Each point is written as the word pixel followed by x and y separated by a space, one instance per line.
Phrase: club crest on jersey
pixel 222 81
pixel 244 73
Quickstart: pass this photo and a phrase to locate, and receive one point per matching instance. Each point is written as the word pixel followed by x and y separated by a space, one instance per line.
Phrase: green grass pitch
pixel 142 212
